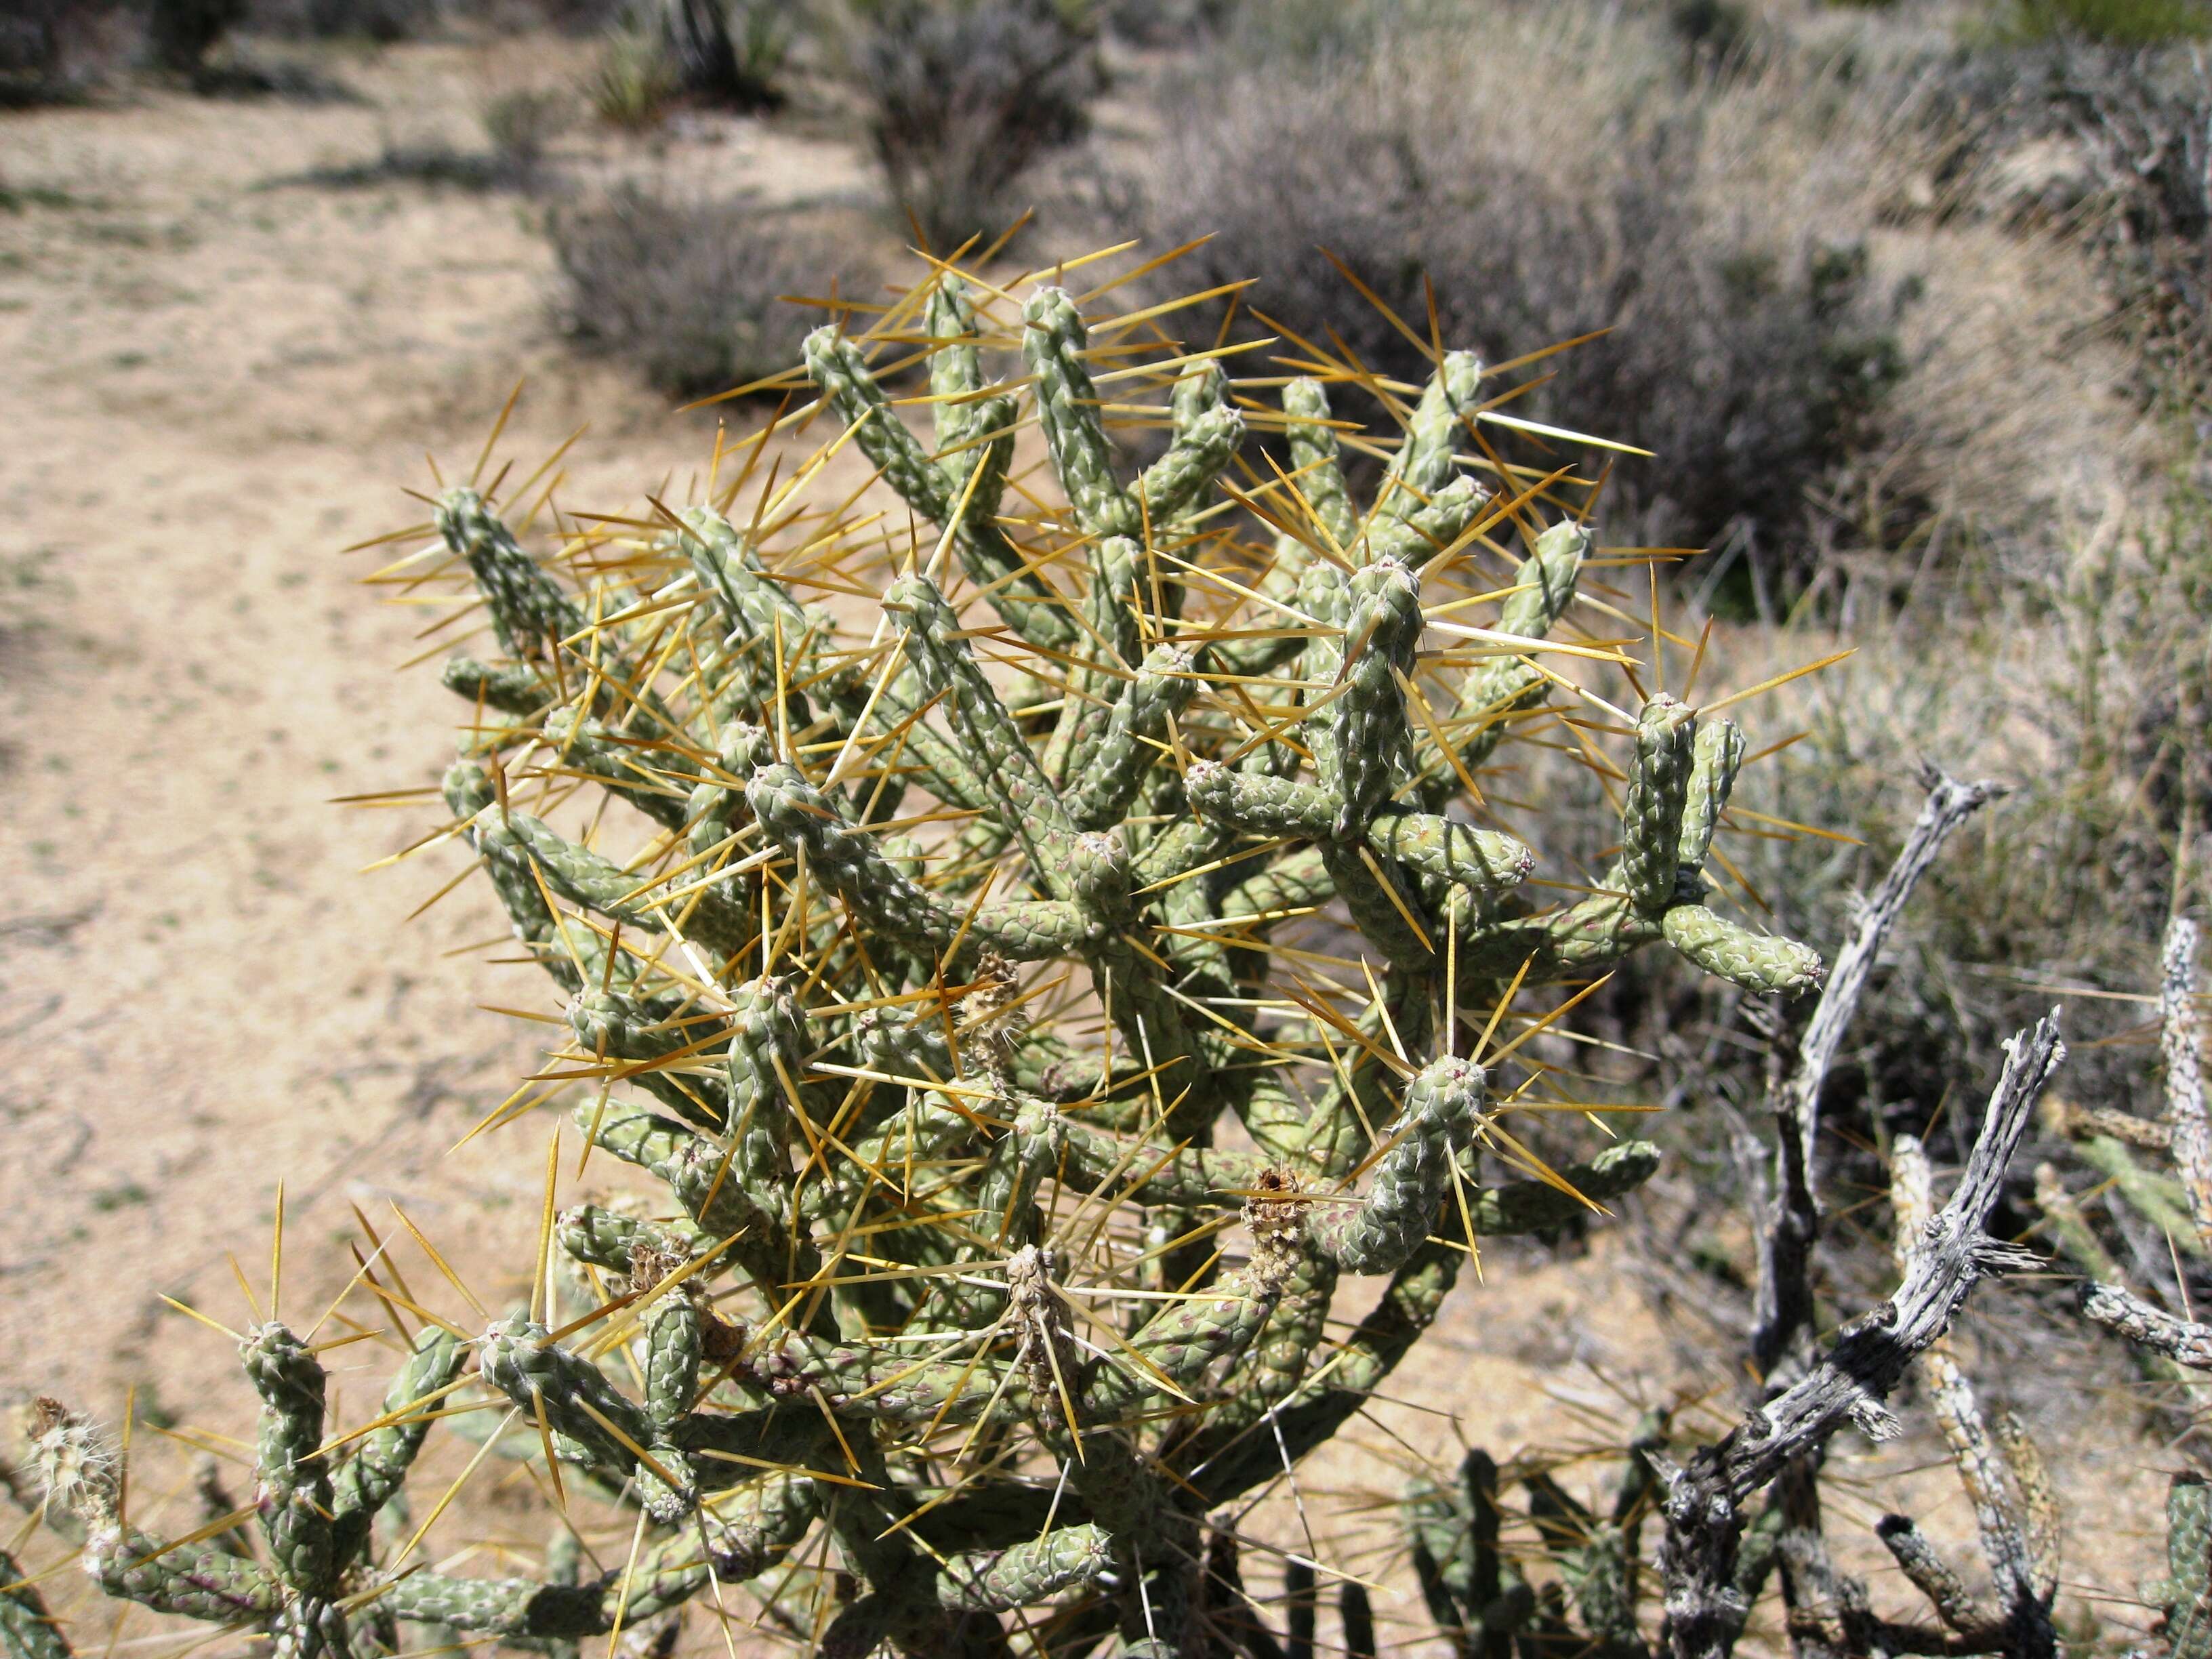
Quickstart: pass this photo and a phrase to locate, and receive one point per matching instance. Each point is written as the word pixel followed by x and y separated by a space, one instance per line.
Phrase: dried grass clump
pixel 521 123
pixel 688 292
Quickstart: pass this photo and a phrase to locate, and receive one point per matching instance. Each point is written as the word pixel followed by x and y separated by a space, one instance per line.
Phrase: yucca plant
pixel 728 51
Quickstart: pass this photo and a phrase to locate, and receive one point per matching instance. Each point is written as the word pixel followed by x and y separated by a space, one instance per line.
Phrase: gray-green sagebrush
pixel 933 1271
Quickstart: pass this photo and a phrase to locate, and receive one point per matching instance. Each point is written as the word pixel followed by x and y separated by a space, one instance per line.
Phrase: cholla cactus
pixel 940 923
pixel 1476 1590
pixel 2171 1351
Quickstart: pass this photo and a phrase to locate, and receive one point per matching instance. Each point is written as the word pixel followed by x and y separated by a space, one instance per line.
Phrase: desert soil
pixel 219 378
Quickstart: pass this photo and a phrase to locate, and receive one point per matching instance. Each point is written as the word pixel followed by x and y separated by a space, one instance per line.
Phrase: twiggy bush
pixel 2101 139
pixel 56 51
pixel 963 97
pixel 521 123
pixel 30 46
pixel 1749 346
pixel 696 295
pixel 181 34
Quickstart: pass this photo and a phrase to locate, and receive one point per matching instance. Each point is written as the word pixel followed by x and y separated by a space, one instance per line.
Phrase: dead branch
pixel 1704 1503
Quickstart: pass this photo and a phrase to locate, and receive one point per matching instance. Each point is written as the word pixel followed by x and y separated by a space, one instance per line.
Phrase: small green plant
pixel 634 81
pixel 2108 22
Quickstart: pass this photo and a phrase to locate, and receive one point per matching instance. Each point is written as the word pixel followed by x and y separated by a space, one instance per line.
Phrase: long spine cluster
pixel 935 1273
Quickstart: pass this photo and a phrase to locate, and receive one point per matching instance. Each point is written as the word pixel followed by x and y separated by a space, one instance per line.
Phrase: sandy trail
pixel 219 383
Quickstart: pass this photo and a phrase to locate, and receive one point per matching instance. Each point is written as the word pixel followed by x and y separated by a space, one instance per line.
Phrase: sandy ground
pixel 218 381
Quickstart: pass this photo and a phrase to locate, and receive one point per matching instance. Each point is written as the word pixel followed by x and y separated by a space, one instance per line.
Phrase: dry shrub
pixel 30 40
pixel 522 124
pixel 2102 144
pixel 1166 22
pixel 964 97
pixel 1555 173
pixel 634 83
pixel 379 20
pixel 56 51
pixel 181 34
pixel 689 292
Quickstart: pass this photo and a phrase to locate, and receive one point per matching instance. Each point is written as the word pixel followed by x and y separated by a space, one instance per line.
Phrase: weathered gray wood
pixel 1703 1508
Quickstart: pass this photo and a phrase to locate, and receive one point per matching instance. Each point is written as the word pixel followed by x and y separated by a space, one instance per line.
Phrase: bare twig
pixel 1833 1620
pixel 1703 1507
pixel 1949 804
pixel 1957 1606
pixel 1789 1224
pixel 1787 1206
pixel 1784 1308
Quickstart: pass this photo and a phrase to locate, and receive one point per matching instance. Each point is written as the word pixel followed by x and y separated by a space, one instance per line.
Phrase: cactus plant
pixel 2169 1351
pixel 951 937
pixel 1478 1593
